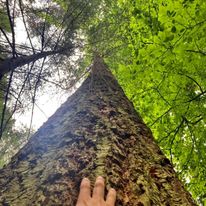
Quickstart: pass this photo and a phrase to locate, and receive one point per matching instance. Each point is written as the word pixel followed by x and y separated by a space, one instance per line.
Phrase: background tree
pixel 12 139
pixel 52 31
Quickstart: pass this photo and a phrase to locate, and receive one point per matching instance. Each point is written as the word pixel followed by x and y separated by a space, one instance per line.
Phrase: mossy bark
pixel 95 132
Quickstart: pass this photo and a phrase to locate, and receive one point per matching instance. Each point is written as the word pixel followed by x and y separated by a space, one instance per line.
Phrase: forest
pixel 155 49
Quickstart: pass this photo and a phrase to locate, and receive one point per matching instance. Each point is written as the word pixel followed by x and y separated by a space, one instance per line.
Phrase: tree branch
pixel 22 13
pixel 11 64
pixel 193 81
pixel 4 33
pixel 195 51
pixel 17 99
pixel 12 28
pixel 5 104
pixel 196 97
pixel 34 96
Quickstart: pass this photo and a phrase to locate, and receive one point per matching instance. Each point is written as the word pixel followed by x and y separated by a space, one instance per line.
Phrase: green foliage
pixel 4 20
pixel 62 3
pixel 157 50
pixel 12 139
pixel 11 142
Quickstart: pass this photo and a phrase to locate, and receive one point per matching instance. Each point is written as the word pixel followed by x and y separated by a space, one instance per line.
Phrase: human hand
pixel 97 198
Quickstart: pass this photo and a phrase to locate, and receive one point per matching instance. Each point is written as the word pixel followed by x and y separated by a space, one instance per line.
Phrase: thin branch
pixel 12 28
pixel 22 46
pixel 195 122
pixel 193 81
pixel 34 96
pixel 44 29
pixel 160 117
pixel 5 104
pixel 195 51
pixel 24 21
pixel 174 130
pixel 13 95
pixel 21 90
pixel 174 136
pixel 8 52
pixel 41 110
pixel 156 89
pixel 196 97
pixel 44 79
pixel 191 151
pixel 197 24
pixel 4 33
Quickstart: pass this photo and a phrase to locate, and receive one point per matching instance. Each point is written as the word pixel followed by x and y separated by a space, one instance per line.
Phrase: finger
pixel 99 188
pixel 111 197
pixel 85 190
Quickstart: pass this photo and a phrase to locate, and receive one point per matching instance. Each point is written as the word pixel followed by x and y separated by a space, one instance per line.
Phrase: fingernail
pixel 100 177
pixel 86 179
pixel 112 189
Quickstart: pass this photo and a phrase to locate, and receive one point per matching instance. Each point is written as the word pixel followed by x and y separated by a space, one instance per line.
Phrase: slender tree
pixel 95 132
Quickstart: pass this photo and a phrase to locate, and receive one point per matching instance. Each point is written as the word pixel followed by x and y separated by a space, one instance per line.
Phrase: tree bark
pixel 10 64
pixel 95 132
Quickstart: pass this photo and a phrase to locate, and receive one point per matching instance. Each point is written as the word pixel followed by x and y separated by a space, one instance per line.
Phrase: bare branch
pixel 18 97
pixel 28 35
pixel 5 104
pixel 34 96
pixel 4 33
pixel 12 28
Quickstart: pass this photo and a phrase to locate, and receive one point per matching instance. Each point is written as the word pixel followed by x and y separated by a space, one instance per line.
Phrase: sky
pixel 44 107
pixel 46 104
pixel 50 98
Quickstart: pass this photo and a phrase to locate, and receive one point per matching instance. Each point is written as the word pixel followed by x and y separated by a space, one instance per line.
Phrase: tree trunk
pixel 95 132
pixel 10 64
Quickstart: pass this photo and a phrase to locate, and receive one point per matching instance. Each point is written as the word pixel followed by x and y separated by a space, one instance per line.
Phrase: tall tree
pixel 157 51
pixel 95 132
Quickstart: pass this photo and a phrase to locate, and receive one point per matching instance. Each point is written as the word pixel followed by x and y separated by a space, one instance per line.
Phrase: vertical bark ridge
pixel 95 132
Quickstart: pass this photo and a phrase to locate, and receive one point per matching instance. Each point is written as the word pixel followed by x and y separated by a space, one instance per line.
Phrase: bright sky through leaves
pixel 50 98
